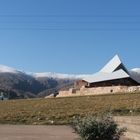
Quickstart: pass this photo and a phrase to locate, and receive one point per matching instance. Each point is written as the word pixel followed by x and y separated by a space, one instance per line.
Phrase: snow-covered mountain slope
pixel 59 75
pixel 6 69
pixel 135 74
pixel 135 70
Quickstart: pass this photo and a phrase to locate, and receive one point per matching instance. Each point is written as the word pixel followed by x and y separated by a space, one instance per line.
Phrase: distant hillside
pixel 54 85
pixel 21 85
pixel 24 86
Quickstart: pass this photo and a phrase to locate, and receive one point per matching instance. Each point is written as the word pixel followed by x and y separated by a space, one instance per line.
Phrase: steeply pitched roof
pixel 114 64
pixel 101 76
pixel 113 70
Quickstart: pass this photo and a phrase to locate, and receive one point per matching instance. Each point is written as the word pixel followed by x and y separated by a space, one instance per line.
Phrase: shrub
pixel 97 128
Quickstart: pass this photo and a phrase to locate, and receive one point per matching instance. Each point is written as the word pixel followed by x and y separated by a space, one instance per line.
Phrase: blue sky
pixel 68 36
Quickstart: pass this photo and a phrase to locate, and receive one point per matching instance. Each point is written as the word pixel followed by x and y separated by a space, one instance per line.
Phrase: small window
pixel 111 90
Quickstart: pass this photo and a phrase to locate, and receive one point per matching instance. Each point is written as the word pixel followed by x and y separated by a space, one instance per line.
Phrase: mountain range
pixel 18 84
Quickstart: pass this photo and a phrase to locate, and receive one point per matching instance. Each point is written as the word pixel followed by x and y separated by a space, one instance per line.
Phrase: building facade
pixel 112 78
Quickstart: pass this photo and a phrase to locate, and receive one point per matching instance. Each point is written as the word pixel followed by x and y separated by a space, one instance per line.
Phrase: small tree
pixel 98 128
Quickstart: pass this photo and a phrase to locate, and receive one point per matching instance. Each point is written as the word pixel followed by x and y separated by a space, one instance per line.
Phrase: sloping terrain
pixel 20 85
pixel 17 84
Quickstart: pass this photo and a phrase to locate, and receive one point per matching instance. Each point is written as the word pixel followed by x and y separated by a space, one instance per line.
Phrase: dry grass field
pixel 63 110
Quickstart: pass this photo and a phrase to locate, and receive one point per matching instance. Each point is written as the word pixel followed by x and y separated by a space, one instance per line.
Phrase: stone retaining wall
pixel 99 90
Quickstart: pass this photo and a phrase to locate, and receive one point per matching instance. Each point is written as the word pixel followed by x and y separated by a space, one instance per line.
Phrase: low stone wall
pixel 99 91
pixel 67 93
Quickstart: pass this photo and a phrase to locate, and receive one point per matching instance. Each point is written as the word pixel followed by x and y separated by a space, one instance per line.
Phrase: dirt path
pixel 28 132
pixel 45 132
pixel 132 123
